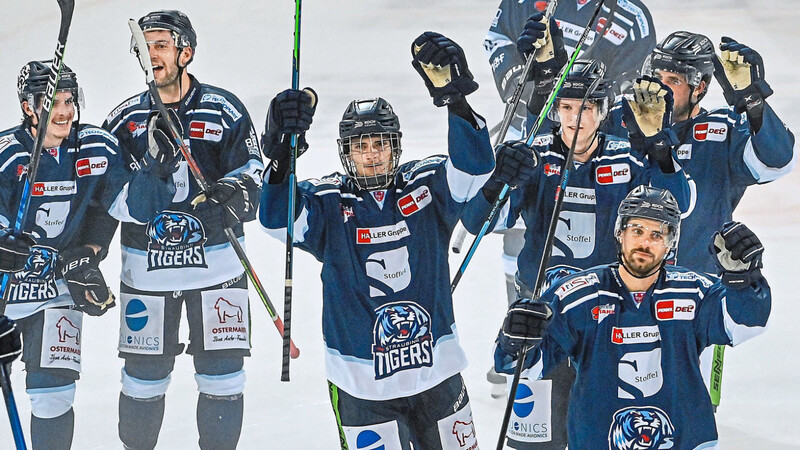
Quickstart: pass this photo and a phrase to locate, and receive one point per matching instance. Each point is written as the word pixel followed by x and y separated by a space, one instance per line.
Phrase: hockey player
pixel 381 231
pixel 723 150
pixel 52 268
pixel 607 168
pixel 635 329
pixel 182 256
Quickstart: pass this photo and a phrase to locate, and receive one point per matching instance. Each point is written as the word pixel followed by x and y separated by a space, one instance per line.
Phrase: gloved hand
pixel 443 66
pixel 163 154
pixel 648 116
pixel 290 112
pixel 551 56
pixel 737 252
pixel 229 198
pixel 14 250
pixel 515 162
pixel 739 70
pixel 87 287
pixel 523 327
pixel 10 344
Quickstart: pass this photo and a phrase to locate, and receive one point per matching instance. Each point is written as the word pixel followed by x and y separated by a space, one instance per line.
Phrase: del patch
pixel 710 131
pixel 61 339
pixel 94 165
pixel 677 309
pixel 226 319
pixel 414 201
pixel 176 240
pixel 402 339
pixel 613 174
pixel 207 131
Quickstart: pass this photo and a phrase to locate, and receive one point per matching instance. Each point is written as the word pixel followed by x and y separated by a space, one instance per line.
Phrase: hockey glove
pixel 740 72
pixel 163 154
pixel 443 66
pixel 515 163
pixel 229 199
pixel 648 116
pixel 14 250
pixel 87 287
pixel 523 327
pixel 548 42
pixel 10 344
pixel 738 252
pixel 290 112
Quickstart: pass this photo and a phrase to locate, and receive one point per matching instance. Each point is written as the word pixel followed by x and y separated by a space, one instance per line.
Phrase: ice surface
pixel 360 48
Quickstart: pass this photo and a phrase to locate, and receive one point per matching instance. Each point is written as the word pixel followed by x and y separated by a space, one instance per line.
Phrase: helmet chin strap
pixel 641 277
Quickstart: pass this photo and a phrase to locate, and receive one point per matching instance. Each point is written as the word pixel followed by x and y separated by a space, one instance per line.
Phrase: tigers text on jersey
pixel 387 318
pixel 584 234
pixel 76 184
pixel 184 248
pixel 638 380
pixel 722 157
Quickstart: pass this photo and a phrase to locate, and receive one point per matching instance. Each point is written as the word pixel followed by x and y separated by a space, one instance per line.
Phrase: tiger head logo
pixel 400 322
pixel 640 428
pixel 40 266
pixel 553 274
pixel 172 229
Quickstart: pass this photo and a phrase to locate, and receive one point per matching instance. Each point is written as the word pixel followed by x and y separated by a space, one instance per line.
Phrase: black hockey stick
pixel 287 285
pixel 548 250
pixel 144 60
pixel 504 193
pixel 67 8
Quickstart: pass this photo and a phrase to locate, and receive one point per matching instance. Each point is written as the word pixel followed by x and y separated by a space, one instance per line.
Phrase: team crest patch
pixel 176 240
pixel 644 427
pixel 402 339
pixel 37 280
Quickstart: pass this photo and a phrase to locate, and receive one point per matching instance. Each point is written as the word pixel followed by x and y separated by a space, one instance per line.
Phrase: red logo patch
pixel 53 152
pixel 617 336
pixel 552 169
pixel 197 130
pixel 363 236
pixel 379 195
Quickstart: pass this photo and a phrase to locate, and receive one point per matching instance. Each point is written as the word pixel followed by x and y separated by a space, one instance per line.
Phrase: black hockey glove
pixel 443 66
pixel 551 56
pixel 738 253
pixel 229 199
pixel 87 287
pixel 10 344
pixel 14 250
pixel 524 325
pixel 740 72
pixel 290 112
pixel 515 163
pixel 648 116
pixel 163 154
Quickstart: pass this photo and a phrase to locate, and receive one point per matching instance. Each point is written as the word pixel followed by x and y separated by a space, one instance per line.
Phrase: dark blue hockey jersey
pixel 387 316
pixel 584 234
pixel 722 158
pixel 638 383
pixel 184 248
pixel 80 180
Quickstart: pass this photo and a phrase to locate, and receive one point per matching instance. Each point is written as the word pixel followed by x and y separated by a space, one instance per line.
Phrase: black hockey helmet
pixel 372 117
pixel 171 20
pixel 33 76
pixel 686 53
pixel 579 80
pixel 647 202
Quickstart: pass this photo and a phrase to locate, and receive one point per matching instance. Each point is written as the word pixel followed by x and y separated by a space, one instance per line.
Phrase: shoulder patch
pixel 7 141
pixel 617 144
pixel 126 104
pixel 689 276
pixel 330 180
pixel 543 139
pixel 226 105
pixel 93 131
pixel 422 164
pixel 575 284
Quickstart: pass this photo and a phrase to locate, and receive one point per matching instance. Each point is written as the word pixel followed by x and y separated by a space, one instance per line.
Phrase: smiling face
pixel 164 56
pixel 61 118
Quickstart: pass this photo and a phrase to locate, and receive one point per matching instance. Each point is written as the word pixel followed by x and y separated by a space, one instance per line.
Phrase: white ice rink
pixel 360 48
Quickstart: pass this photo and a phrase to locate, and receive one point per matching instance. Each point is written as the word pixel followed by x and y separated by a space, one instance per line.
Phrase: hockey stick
pixel 716 375
pixel 144 60
pixel 548 250
pixel 497 205
pixel 287 286
pixel 67 7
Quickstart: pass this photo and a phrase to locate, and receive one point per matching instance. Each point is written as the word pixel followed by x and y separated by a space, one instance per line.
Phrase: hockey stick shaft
pixel 144 60
pixel 716 375
pixel 67 7
pixel 548 250
pixel 287 286
pixel 498 203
